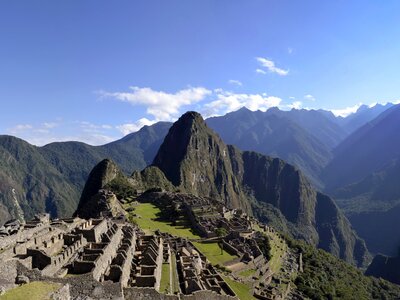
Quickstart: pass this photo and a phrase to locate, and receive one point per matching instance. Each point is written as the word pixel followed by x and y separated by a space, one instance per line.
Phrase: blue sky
pixel 96 70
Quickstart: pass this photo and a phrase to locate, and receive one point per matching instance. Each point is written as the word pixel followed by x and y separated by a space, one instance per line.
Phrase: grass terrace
pixel 214 253
pixel 33 291
pixel 165 284
pixel 278 250
pixel 175 279
pixel 247 273
pixel 243 291
pixel 148 219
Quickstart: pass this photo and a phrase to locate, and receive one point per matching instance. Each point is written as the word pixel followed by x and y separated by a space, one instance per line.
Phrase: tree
pixel 221 232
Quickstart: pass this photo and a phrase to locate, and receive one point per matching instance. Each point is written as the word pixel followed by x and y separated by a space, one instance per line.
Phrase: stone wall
pixel 8 272
pixel 102 263
pixel 120 268
pixel 135 293
pixel 58 261
pixel 22 235
pixel 39 258
pixel 93 229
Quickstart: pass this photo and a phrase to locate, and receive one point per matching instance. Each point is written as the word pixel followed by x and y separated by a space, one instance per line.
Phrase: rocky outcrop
pixel 151 177
pixel 385 267
pixel 95 201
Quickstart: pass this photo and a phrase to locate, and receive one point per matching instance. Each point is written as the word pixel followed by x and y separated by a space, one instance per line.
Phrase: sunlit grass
pixel 37 290
pixel 247 273
pixel 165 284
pixel 243 291
pixel 278 249
pixel 214 253
pixel 148 220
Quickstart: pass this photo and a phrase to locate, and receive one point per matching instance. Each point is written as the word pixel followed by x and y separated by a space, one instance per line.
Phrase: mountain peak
pixel 195 159
pixel 362 108
pixel 191 115
pixel 103 173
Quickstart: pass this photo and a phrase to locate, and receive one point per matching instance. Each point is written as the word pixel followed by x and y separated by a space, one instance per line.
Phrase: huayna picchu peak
pixel 195 159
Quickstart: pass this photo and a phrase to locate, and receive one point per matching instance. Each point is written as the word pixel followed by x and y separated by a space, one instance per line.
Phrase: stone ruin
pixel 105 259
pixel 109 258
pixel 245 248
pixel 207 215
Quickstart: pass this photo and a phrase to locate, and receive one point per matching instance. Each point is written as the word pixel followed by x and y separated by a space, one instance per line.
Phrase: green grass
pixel 33 291
pixel 243 291
pixel 213 252
pixel 149 222
pixel 165 284
pixel 175 279
pixel 278 249
pixel 247 273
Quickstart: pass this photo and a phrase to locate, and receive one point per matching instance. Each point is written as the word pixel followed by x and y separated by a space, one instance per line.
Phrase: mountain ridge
pixel 51 178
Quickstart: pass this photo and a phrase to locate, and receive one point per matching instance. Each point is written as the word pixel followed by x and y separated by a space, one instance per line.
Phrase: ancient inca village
pixel 161 245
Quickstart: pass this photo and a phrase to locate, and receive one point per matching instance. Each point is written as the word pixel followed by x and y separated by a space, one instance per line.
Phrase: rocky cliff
pixel 385 267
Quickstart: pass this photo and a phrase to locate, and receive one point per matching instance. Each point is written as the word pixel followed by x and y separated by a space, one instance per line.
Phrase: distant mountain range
pixel 364 178
pixel 353 159
pixel 376 142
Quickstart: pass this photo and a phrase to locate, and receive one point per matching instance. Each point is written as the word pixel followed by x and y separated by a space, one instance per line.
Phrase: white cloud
pixel 19 128
pixel 226 102
pixel 48 132
pixel 290 50
pixel 295 105
pixel 235 82
pixel 259 71
pixel 309 97
pixel 344 112
pixel 270 66
pixel 49 125
pixel 133 127
pixel 90 127
pixel 161 105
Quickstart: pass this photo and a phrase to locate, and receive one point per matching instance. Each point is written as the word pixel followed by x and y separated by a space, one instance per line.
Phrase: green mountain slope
pixel 326 277
pixel 29 184
pixel 51 178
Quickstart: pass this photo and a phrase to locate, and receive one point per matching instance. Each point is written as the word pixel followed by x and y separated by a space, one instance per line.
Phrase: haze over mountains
pixel 51 178
pixel 368 188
